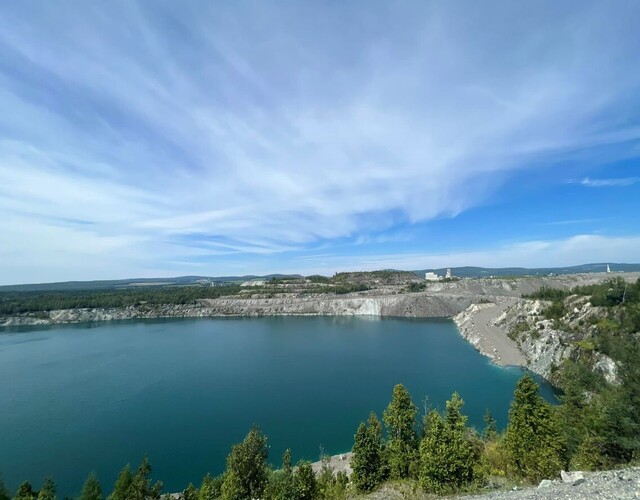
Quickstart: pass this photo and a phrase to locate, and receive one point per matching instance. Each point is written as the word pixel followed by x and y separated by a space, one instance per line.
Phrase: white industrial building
pixel 434 277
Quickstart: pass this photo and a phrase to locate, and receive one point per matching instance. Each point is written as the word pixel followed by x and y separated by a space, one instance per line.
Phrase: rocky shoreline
pixel 486 312
pixel 399 305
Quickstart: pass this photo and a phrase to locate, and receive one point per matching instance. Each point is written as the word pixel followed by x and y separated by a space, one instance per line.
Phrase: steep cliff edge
pixel 546 342
pixel 403 305
pixel 542 344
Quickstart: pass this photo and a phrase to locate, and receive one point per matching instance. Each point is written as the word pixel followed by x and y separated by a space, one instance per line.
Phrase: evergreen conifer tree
pixel 447 458
pixel 247 472
pixel 211 488
pixel 91 489
pixel 190 493
pixel 400 420
pixel 621 433
pixel 304 482
pixel 25 492
pixel 48 490
pixel 141 488
pixel 367 461
pixel 122 485
pixel 4 492
pixel 491 427
pixel 533 440
pixel 281 482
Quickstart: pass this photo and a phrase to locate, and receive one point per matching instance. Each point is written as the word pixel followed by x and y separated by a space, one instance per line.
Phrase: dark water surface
pixel 95 397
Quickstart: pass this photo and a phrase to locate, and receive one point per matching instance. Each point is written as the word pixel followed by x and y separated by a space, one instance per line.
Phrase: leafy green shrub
pixel 555 311
pixel 316 278
pixel 586 344
pixel 547 293
pixel 494 458
pixel 416 286
pixel 516 331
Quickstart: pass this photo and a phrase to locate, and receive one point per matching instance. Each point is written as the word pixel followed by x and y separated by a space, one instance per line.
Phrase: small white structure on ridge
pixel 608 268
pixel 431 277
pixel 448 276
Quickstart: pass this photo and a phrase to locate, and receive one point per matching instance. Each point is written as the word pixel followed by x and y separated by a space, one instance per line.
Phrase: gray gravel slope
pixel 615 485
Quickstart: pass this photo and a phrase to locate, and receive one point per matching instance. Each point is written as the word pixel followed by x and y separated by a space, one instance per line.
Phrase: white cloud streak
pixel 620 182
pixel 174 132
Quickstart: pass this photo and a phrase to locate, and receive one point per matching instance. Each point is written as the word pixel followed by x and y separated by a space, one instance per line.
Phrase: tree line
pixel 12 303
pixel 24 302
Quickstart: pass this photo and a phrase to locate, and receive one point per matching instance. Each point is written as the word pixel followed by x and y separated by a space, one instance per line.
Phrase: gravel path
pixel 476 325
pixel 606 485
pixel 508 352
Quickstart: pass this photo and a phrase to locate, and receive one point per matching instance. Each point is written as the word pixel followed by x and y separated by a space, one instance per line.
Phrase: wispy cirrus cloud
pixel 619 182
pixel 569 222
pixel 194 132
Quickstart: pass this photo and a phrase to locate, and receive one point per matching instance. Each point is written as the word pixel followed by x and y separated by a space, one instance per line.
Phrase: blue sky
pixel 142 139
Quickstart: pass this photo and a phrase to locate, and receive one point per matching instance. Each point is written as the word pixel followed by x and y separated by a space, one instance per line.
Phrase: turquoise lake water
pixel 98 396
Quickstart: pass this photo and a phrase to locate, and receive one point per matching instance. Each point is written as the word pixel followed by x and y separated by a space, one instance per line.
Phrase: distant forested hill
pixel 483 272
pixel 462 272
pixel 137 282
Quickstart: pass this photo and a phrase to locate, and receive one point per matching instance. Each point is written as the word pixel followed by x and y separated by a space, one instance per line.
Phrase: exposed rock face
pixel 407 305
pixel 389 298
pixel 516 287
pixel 607 366
pixel 543 346
pixel 547 343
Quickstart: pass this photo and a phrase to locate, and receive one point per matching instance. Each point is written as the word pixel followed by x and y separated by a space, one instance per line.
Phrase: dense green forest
pixel 21 302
